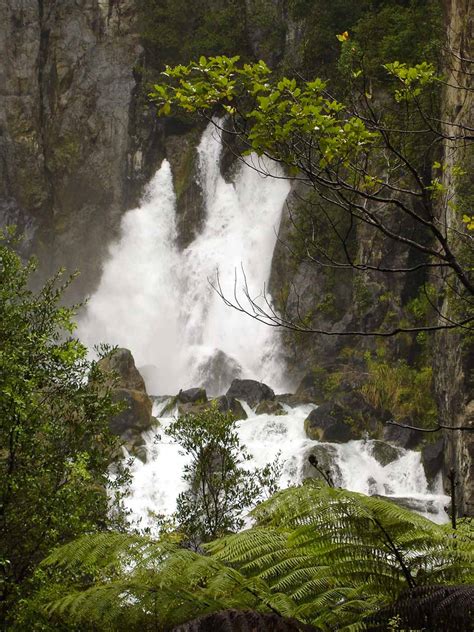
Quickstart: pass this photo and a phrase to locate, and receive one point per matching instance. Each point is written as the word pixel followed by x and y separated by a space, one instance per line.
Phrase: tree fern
pixel 436 608
pixel 243 621
pixel 345 554
pixel 328 557
pixel 153 584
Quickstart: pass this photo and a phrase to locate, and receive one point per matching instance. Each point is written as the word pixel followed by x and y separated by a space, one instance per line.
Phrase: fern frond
pixel 325 556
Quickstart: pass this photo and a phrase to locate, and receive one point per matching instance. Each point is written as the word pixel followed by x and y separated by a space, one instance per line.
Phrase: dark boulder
pixel 310 389
pixel 414 504
pixel 363 417
pixel 292 400
pixel 192 408
pixel 225 404
pixel 198 406
pixel 320 461
pixel 384 453
pixel 348 417
pixel 268 407
pixel 250 391
pixel 404 437
pixel 127 387
pixel 192 396
pixel 325 423
pixel 136 415
pixel 121 365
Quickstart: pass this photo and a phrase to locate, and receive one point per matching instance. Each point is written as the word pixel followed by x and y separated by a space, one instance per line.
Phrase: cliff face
pixel 78 139
pixel 66 156
pixel 454 357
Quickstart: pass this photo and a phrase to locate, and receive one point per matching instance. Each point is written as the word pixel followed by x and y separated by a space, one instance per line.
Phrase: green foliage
pixel 412 79
pixel 220 487
pixel 405 391
pixel 55 446
pixel 175 31
pixel 385 30
pixel 324 556
pixel 406 31
pixel 280 112
pixel 341 555
pixel 133 582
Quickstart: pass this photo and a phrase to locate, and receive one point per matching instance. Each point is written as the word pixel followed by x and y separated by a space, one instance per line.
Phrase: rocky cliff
pixel 454 353
pixel 68 161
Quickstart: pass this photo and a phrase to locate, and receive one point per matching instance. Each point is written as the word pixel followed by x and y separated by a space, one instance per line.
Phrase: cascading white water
pixel 134 305
pixel 353 466
pixel 156 300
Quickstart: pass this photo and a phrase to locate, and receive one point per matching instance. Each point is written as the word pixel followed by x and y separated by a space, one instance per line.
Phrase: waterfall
pixel 135 304
pixel 353 466
pixel 155 299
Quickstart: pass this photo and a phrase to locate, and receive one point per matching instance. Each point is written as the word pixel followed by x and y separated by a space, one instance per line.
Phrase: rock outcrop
pixel 250 391
pixel 385 453
pixel 320 461
pixel 326 423
pixel 66 156
pixel 347 416
pixel 129 388
pixel 453 360
pixel 270 408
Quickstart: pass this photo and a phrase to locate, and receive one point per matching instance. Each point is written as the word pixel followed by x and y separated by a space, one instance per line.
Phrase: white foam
pixel 156 300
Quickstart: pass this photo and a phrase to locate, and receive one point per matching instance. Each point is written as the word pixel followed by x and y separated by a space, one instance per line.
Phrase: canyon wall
pixel 454 353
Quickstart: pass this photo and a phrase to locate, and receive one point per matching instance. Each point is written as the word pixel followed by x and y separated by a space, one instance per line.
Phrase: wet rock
pixel 121 363
pixel 138 450
pixel 193 408
pixel 320 425
pixel 199 405
pixel 349 416
pixel 326 461
pixel 225 404
pixel 384 453
pixel 432 457
pixel 292 400
pixel 325 424
pixel 363 417
pixel 136 415
pixel 372 486
pixel 310 390
pixel 414 504
pixel 127 387
pixel 270 408
pixel 404 437
pixel 192 396
pixel 250 391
